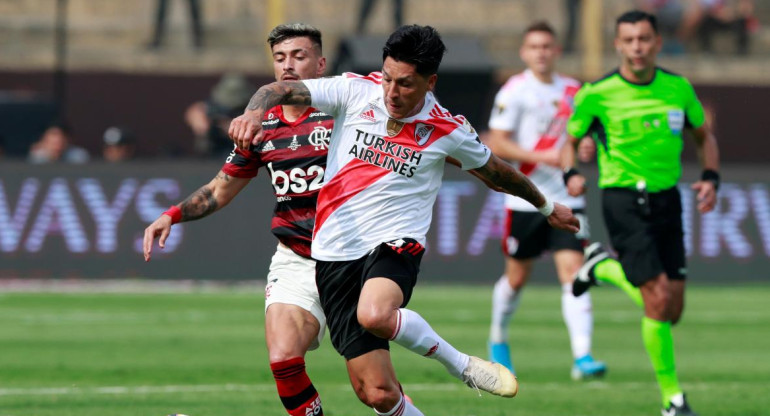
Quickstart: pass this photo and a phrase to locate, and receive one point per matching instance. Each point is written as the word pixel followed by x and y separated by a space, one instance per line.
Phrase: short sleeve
pixel 583 116
pixel 506 112
pixel 329 95
pixel 693 109
pixel 242 163
pixel 470 151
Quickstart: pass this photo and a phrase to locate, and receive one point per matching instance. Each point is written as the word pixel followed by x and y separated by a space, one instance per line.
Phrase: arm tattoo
pixel 198 205
pixel 271 95
pixel 223 177
pixel 511 181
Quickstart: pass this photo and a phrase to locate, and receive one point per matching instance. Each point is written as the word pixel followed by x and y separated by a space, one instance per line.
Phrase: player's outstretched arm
pixel 511 181
pixel 206 200
pixel 708 154
pixel 246 129
pixel 500 143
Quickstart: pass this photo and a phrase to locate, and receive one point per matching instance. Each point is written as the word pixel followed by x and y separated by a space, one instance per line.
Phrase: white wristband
pixel 547 208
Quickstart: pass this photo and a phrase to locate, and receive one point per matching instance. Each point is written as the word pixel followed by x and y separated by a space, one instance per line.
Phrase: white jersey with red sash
pixel 537 114
pixel 382 175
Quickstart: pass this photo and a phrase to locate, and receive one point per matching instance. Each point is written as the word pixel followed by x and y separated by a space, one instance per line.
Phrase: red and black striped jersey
pixel 294 154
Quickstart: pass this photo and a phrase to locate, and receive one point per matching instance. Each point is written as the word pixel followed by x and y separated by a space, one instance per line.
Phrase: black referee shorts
pixel 646 232
pixel 339 287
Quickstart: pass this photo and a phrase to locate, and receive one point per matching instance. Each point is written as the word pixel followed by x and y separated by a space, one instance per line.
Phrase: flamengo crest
pixel 422 133
pixel 319 137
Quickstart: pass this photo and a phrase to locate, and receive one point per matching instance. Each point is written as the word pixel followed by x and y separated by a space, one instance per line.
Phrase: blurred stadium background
pixel 92 64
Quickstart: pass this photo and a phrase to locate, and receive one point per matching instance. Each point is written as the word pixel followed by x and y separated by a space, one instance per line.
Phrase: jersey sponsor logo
pixel 270 122
pixel 317 114
pixel 368 115
pixel 422 133
pixel 295 180
pixel 319 137
pixel 268 146
pixel 378 151
pixel 676 121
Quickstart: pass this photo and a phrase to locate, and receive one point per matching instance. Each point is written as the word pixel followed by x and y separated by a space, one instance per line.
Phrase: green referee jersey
pixel 637 127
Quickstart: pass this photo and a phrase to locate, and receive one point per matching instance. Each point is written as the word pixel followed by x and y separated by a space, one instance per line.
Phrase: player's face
pixel 404 89
pixel 539 51
pixel 297 58
pixel 638 45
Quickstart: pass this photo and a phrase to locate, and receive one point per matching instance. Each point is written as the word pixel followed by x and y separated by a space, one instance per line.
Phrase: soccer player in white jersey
pixel 384 169
pixel 527 128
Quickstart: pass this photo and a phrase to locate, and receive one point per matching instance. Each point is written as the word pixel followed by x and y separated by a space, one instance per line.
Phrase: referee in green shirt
pixel 637 115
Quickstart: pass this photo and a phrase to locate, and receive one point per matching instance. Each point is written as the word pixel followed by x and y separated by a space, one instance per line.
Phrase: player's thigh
pixel 291 281
pixel 373 377
pixel 379 298
pixel 669 232
pixel 526 235
pixel 339 287
pixel 290 331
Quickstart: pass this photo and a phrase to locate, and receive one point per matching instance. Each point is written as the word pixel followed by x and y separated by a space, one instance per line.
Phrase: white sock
pixel 416 335
pixel 402 408
pixel 579 319
pixel 505 301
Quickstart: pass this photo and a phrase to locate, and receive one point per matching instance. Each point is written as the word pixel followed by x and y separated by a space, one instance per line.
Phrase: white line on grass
pixel 269 387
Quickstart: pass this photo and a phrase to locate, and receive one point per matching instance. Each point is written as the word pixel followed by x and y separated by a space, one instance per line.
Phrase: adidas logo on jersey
pixel 268 146
pixel 368 115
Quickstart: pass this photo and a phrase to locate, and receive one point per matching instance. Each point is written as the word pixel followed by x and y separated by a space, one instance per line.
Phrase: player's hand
pixel 246 129
pixel 161 227
pixel 707 195
pixel 576 185
pixel 562 218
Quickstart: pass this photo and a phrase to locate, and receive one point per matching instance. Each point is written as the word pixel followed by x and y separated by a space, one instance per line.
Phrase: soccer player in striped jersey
pixel 386 159
pixel 293 151
pixel 527 128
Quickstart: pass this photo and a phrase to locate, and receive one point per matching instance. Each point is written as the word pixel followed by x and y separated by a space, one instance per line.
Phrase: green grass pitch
pixel 204 354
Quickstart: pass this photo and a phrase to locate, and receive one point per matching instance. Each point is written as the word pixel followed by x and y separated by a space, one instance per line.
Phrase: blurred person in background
pixel 160 24
pixel 119 144
pixel 210 119
pixel 713 16
pixel 56 145
pixel 527 128
pixel 572 7
pixel 366 8
pixel 637 115
pixel 293 153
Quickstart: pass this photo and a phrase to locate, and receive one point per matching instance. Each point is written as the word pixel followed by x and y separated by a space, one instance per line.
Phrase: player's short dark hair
pixel 420 46
pixel 540 26
pixel 635 16
pixel 286 31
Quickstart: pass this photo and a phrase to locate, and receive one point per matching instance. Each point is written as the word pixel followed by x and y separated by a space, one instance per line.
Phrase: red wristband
pixel 175 213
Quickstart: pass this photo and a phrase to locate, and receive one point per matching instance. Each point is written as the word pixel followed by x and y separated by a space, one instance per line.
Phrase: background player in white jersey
pixel 527 128
pixel 295 141
pixel 386 159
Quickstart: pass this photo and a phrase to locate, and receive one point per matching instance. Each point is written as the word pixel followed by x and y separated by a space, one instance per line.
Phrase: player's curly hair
pixel 295 30
pixel 420 46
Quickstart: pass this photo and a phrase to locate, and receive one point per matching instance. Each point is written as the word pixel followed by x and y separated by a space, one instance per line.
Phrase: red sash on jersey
pixel 555 128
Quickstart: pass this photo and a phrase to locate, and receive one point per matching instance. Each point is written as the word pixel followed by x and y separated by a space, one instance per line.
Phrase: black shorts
pixel 647 233
pixel 339 287
pixel 529 235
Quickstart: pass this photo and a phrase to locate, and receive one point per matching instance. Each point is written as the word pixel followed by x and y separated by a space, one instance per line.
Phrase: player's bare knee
pixel 381 398
pixel 376 320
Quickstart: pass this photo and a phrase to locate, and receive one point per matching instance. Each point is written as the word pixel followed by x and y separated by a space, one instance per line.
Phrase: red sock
pixel 297 393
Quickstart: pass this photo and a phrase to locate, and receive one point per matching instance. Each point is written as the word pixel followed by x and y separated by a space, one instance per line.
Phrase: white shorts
pixel 291 280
